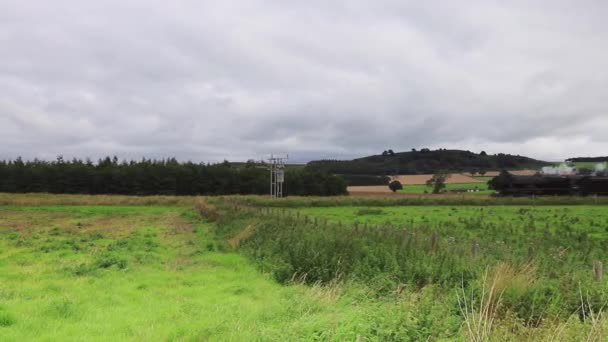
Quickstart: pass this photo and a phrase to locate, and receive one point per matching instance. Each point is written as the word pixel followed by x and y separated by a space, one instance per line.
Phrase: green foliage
pixel 395 185
pixel 292 247
pixel 480 188
pixel 369 211
pixel 437 182
pixel 425 161
pixel 6 319
pixel 356 201
pixel 156 177
pixel 108 260
pixel 431 246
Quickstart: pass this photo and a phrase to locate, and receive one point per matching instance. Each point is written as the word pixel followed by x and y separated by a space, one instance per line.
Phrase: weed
pixel 62 308
pixel 6 319
pixel 108 260
pixel 369 211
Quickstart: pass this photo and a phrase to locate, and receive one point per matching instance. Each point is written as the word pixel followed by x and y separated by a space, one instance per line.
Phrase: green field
pixel 146 274
pixel 540 257
pixel 420 188
pixel 238 269
pixel 483 178
pixel 590 219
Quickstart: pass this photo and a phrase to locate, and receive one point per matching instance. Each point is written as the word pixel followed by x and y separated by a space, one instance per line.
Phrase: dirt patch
pixel 111 225
pixel 116 225
pixel 369 189
pixel 27 221
pixel 175 222
pixel 242 235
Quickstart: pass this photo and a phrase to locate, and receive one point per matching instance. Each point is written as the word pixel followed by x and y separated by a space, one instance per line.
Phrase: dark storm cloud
pixel 208 80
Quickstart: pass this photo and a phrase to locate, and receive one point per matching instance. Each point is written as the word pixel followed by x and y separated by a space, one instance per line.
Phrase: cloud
pixel 208 80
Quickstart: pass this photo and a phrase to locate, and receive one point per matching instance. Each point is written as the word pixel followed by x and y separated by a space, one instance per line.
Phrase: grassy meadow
pixel 482 188
pixel 504 272
pixel 113 273
pixel 340 269
pixel 478 220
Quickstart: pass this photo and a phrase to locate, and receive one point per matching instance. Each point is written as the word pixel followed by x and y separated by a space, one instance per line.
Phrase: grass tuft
pixel 6 319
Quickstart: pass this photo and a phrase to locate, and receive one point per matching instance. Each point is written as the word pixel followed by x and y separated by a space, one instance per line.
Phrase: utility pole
pixel 277 175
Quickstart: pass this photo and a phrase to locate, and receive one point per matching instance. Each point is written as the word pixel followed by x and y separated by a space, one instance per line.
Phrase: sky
pixel 212 80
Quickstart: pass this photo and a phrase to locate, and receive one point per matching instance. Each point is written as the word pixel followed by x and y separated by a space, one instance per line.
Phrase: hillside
pixel 426 161
pixel 588 159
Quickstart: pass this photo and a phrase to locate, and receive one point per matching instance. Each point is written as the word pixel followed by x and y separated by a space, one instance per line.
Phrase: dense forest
pixel 157 177
pixel 588 159
pixel 425 161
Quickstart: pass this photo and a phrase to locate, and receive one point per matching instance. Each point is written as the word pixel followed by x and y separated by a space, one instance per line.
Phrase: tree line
pixel 588 159
pixel 425 161
pixel 157 177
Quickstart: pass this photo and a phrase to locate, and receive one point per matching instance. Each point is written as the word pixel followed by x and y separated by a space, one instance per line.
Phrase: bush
pixel 109 260
pixel 395 185
pixel 207 210
pixel 6 319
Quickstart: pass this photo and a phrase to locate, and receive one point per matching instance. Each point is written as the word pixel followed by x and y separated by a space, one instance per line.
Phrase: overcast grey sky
pixel 208 80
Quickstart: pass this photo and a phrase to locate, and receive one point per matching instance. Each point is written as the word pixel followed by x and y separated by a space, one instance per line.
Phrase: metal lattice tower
pixel 277 175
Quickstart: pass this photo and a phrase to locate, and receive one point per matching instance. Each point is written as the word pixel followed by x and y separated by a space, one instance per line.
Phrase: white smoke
pixel 600 167
pixel 562 170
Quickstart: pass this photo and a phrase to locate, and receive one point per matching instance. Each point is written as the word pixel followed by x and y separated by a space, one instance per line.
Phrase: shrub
pixel 81 270
pixel 6 319
pixel 207 210
pixel 109 260
pixel 395 185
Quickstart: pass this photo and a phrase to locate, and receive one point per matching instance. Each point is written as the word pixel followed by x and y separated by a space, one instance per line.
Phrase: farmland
pixel 416 184
pixel 479 188
pixel 247 268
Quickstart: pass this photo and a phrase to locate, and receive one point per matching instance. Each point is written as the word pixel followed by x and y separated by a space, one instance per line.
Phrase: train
pixel 572 185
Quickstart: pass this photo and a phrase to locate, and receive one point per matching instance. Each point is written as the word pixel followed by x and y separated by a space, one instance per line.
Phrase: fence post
pixel 434 241
pixel 599 270
pixel 530 253
pixel 474 247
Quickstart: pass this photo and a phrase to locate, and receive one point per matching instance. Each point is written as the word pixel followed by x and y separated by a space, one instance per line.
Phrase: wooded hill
pixel 588 159
pixel 425 161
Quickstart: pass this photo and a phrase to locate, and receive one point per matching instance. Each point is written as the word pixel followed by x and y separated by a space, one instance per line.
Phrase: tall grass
pixel 55 199
pixel 474 200
pixel 480 312
pixel 531 287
